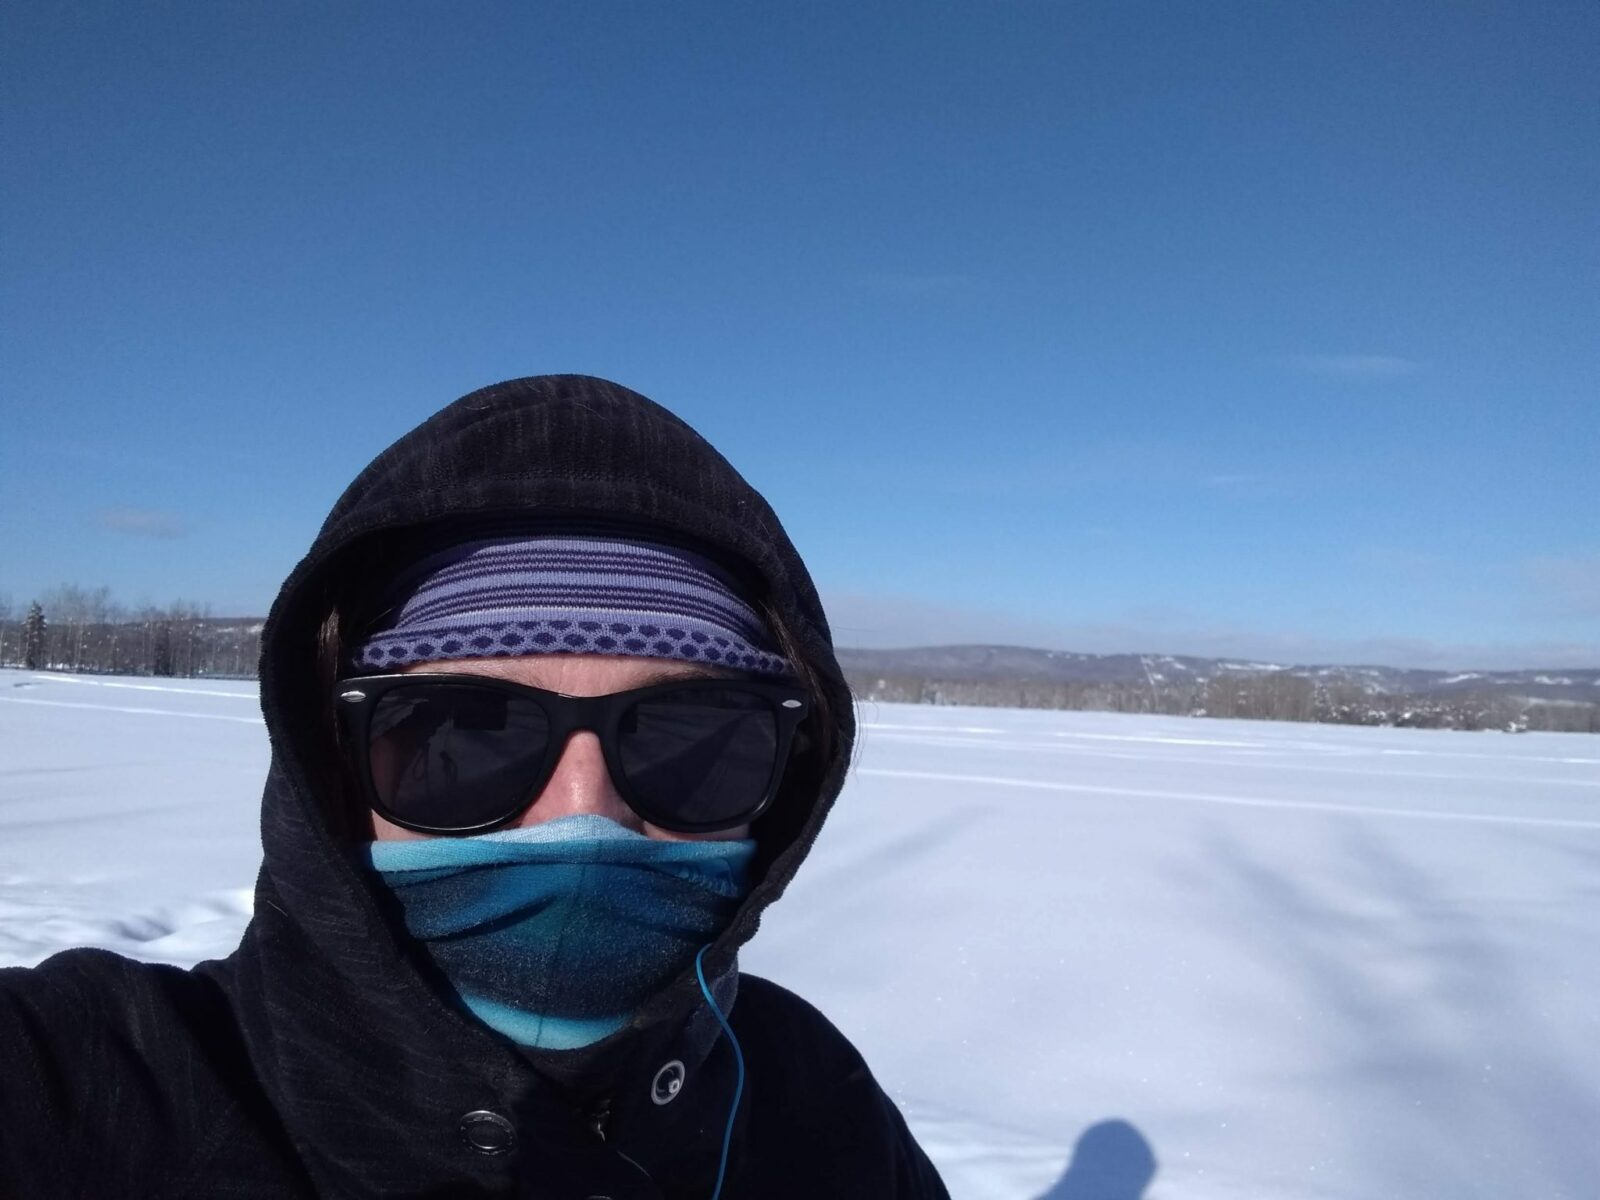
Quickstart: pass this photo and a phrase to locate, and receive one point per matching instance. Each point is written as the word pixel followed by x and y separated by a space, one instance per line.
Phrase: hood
pixel 324 954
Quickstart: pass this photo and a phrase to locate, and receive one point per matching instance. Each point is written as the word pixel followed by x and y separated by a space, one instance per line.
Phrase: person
pixel 555 716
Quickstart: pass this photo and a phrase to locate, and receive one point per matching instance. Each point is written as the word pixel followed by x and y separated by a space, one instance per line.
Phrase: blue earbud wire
pixel 738 1058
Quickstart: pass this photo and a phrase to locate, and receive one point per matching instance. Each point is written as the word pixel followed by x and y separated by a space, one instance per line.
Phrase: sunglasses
pixel 460 754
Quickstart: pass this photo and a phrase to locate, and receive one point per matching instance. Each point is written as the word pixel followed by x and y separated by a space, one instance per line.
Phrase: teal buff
pixel 555 934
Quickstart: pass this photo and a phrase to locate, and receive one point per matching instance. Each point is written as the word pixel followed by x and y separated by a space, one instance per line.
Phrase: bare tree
pixel 89 630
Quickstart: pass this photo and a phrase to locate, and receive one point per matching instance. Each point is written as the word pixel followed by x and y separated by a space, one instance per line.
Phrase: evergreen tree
pixel 33 631
pixel 161 656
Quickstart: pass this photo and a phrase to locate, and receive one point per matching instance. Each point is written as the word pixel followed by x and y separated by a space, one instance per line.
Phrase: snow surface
pixel 1093 957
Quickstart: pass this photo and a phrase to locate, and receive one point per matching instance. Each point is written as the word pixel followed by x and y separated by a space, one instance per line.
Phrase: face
pixel 581 783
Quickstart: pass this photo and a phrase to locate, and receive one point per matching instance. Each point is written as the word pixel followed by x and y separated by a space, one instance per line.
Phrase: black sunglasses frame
pixel 357 699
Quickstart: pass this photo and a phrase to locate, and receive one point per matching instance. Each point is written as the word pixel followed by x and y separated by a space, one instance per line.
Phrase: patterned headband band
pixel 589 594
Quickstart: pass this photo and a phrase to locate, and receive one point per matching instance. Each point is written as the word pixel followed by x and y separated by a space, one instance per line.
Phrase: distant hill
pixel 1007 663
pixel 1017 676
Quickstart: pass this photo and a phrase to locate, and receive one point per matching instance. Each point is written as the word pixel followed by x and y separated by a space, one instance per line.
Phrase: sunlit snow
pixel 1093 957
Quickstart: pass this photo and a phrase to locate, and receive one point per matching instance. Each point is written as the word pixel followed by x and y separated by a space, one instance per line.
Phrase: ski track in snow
pixel 1091 957
pixel 141 712
pixel 1240 801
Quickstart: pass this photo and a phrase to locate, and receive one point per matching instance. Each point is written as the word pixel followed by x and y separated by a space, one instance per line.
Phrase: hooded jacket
pixel 323 1058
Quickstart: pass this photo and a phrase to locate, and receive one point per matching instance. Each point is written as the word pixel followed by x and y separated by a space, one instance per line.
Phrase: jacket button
pixel 487 1132
pixel 668 1083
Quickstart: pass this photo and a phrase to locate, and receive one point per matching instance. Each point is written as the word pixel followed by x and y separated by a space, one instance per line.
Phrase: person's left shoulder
pixel 771 1021
pixel 816 1121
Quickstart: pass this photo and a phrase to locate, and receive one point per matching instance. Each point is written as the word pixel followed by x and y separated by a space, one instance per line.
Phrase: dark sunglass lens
pixel 702 755
pixel 454 756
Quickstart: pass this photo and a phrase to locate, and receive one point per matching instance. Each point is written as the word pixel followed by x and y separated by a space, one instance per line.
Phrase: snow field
pixel 1093 957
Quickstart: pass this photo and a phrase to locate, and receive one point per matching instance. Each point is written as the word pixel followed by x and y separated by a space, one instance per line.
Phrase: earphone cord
pixel 738 1058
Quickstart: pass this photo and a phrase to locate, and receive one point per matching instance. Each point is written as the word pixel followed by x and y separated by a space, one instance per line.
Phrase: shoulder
pixel 816 1117
pixel 788 1039
pixel 762 1004
pixel 118 1076
pixel 794 1053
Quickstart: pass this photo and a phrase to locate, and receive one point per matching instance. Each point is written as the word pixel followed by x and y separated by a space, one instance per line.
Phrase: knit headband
pixel 586 594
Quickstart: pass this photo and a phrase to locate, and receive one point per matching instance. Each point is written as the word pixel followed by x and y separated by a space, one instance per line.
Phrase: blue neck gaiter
pixel 555 934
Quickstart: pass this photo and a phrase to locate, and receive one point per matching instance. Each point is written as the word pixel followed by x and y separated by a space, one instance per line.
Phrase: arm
pixel 104 1087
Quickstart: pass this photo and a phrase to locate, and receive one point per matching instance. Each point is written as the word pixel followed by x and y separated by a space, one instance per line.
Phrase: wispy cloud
pixel 142 522
pixel 1567 585
pixel 1360 366
pixel 879 621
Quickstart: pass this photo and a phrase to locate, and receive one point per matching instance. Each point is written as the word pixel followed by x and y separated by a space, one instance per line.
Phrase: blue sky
pixel 1256 329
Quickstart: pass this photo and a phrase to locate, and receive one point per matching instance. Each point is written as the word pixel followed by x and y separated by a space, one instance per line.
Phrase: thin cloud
pixel 1360 366
pixel 142 522
pixel 1568 585
pixel 876 621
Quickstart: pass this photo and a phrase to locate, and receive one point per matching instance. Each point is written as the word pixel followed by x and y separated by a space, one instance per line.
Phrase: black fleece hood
pixel 346 1028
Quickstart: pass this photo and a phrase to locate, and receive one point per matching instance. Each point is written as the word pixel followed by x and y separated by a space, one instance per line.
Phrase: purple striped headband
pixel 585 594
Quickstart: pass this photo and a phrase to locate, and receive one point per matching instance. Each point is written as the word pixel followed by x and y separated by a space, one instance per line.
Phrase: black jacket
pixel 322 1058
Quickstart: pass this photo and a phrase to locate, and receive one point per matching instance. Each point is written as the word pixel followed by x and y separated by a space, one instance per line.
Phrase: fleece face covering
pixel 555 934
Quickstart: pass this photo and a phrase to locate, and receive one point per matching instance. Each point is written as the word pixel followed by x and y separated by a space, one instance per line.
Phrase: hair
pixel 354 602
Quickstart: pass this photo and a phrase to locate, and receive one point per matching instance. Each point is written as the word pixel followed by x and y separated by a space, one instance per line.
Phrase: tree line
pixel 1261 696
pixel 72 628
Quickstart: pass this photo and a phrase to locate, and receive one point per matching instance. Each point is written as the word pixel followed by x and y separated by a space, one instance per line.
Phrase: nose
pixel 581 784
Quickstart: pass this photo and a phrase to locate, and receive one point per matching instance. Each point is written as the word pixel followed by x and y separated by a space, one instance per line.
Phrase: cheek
pixel 386 831
pixel 667 835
